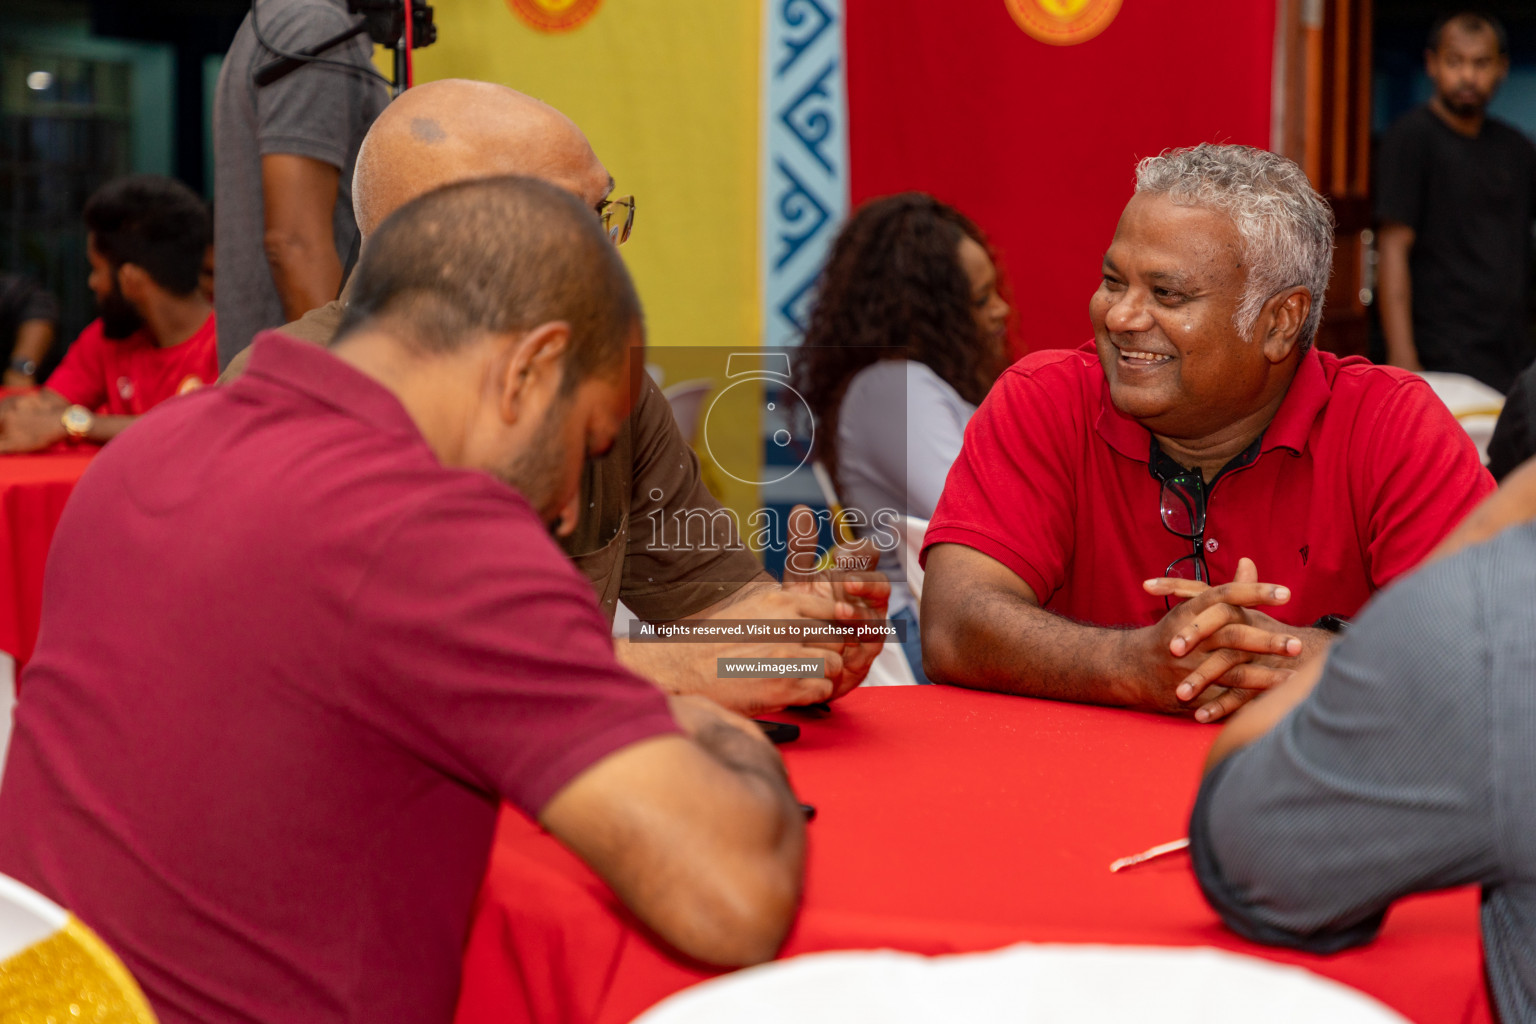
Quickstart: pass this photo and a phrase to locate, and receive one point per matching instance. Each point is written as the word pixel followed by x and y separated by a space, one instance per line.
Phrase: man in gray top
pixel 284 155
pixel 1406 762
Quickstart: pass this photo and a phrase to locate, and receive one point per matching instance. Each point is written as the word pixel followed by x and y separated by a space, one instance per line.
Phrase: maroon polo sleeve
pixel 1010 494
pixel 1420 474
pixel 484 651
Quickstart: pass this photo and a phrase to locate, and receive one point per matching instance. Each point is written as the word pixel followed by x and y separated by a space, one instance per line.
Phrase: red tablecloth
pixel 949 821
pixel 33 489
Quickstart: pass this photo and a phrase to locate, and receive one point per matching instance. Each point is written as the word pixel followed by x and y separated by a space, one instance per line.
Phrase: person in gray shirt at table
pixel 283 160
pixel 908 333
pixel 1404 762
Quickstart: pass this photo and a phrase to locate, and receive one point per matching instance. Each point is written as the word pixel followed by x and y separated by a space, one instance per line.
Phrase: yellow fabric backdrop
pixel 667 91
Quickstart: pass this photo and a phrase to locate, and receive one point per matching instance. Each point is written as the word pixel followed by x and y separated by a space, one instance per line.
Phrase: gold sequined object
pixel 71 977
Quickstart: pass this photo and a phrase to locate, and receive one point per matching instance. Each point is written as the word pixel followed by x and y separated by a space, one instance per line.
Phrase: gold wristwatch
pixel 78 422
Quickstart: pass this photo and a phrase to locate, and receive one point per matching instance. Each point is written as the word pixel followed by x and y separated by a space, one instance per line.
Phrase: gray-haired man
pixel 1199 444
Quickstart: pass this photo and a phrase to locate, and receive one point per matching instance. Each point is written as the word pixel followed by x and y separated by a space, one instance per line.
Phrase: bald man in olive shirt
pixel 452 130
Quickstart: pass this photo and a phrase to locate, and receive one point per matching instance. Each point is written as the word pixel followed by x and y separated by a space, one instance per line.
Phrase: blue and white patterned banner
pixel 804 154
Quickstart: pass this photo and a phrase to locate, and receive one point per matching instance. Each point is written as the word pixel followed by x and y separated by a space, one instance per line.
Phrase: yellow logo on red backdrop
pixel 554 15
pixel 1063 22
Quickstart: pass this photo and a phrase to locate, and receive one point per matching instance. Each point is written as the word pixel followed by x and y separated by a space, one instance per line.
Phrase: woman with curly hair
pixel 908 333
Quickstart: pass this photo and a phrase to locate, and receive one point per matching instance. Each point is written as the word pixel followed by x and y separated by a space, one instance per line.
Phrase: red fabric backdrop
pixel 1038 143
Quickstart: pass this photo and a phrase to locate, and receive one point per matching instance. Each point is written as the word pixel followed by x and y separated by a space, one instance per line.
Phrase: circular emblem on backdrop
pixel 554 15
pixel 191 382
pixel 1063 22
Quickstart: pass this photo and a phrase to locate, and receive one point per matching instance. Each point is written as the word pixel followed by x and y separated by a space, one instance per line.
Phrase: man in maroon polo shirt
pixel 270 782
pixel 1103 534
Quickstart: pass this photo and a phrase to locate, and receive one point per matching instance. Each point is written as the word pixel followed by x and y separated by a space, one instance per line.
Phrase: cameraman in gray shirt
pixel 283 160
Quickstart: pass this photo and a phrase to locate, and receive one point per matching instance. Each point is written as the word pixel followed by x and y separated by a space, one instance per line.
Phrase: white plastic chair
pixel 687 400
pixel 824 481
pixel 36 935
pixel 890 668
pixel 7 706
pixel 622 617
pixel 909 528
pixel 840 528
pixel 1025 984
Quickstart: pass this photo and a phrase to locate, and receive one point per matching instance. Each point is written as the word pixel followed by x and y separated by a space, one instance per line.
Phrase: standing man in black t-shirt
pixel 1455 197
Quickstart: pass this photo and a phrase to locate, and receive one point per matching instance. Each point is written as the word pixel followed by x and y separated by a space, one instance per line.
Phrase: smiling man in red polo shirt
pixel 1201 441
pixel 271 784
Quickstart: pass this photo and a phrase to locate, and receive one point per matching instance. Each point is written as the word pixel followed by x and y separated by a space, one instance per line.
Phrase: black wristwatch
pixel 1332 623
pixel 25 367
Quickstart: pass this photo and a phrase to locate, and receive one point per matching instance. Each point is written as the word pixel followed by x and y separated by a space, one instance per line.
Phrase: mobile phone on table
pixel 778 732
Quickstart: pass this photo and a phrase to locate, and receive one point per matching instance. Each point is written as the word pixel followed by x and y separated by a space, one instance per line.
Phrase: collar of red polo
pixel 1303 403
pixel 313 371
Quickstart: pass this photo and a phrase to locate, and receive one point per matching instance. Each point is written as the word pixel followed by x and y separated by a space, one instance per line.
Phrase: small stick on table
pixel 1146 855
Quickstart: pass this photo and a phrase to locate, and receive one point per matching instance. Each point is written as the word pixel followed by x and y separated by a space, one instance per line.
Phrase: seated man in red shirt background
pixel 1201 436
pixel 271 787
pixel 154 337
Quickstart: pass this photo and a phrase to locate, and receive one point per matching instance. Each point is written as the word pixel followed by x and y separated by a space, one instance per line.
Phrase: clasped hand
pixel 30 422
pixel 1216 650
pixel 25 429
pixel 807 594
